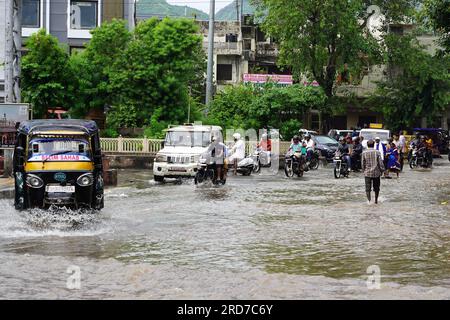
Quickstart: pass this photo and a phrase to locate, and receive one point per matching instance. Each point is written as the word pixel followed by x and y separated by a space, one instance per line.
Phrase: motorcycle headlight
pixel 160 158
pixel 34 181
pixel 85 179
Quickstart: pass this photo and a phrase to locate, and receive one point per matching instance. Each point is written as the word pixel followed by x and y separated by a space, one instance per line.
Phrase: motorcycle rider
pixel 309 147
pixel 356 153
pixel 237 151
pixel 412 145
pixel 218 152
pixel 344 152
pixel 424 150
pixel 265 145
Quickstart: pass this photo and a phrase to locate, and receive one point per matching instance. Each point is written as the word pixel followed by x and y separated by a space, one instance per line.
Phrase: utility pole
pixel 13 45
pixel 209 72
pixel 131 15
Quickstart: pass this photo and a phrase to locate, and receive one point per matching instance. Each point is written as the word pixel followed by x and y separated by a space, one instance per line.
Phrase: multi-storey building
pixel 69 20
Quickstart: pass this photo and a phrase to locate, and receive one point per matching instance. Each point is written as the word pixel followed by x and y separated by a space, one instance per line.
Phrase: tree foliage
pixel 247 106
pixel 48 81
pixel 417 85
pixel 436 15
pixel 154 71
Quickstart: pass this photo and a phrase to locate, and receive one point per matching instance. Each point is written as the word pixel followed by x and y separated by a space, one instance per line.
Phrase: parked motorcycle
pixel 340 166
pixel 294 164
pixel 261 159
pixel 419 159
pixel 207 170
pixel 245 166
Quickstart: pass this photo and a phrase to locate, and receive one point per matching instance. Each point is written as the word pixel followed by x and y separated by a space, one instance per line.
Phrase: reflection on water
pixel 251 230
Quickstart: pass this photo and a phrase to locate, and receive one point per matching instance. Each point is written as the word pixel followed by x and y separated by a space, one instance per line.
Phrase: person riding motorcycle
pixel 424 150
pixel 309 147
pixel 237 151
pixel 356 153
pixel 297 148
pixel 343 150
pixel 218 153
pixel 265 145
pixel 412 145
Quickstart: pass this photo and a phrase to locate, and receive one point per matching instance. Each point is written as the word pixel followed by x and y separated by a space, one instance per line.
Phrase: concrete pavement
pixel 6 188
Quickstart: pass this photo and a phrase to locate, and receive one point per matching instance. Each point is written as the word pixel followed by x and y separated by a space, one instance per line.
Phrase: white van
pixel 182 148
pixel 368 134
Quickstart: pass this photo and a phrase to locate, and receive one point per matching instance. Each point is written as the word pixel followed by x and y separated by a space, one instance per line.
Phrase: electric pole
pixel 209 72
pixel 13 45
pixel 131 15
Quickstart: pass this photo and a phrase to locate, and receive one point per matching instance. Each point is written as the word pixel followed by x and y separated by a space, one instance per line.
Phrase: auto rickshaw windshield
pixel 64 148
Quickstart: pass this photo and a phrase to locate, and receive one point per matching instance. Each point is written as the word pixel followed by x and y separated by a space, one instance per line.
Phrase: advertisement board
pixel 263 78
pixel 10 115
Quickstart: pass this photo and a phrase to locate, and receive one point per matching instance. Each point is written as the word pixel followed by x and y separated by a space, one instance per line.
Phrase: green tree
pixel 47 78
pixel 436 15
pixel 417 85
pixel 155 70
pixel 95 65
pixel 247 106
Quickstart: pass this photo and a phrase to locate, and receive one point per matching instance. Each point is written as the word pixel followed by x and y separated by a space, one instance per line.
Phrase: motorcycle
pixel 340 166
pixel 419 159
pixel 314 162
pixel 294 164
pixel 261 159
pixel 207 170
pixel 245 166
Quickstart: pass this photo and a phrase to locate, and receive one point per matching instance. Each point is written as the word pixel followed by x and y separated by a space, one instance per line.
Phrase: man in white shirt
pixel 310 145
pixel 237 151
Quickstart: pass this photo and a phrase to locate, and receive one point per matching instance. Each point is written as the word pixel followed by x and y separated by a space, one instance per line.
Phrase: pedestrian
pixel 402 148
pixel 373 168
pixel 393 160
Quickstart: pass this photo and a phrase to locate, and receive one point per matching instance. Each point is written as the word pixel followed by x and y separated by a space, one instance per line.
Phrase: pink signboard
pixel 263 78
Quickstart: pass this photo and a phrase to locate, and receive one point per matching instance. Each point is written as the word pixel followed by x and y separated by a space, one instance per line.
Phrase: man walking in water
pixel 373 167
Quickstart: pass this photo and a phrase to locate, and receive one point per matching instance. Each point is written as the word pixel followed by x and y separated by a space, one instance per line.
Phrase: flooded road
pixel 258 237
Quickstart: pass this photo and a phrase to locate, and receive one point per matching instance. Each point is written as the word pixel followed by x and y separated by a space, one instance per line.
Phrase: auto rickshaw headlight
pixel 85 180
pixel 34 181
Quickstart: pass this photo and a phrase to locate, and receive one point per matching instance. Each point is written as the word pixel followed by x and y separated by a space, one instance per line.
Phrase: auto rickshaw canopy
pixel 55 126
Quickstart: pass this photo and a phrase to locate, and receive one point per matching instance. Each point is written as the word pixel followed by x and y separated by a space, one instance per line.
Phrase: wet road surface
pixel 258 237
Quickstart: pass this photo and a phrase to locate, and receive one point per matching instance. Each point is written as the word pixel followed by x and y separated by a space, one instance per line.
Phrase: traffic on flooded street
pixel 259 237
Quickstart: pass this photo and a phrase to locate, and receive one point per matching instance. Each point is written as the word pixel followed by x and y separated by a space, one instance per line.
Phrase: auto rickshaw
pixel 58 162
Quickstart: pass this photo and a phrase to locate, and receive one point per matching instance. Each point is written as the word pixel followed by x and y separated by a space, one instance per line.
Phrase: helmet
pixel 264 136
pixel 341 139
pixel 295 137
pixel 237 136
pixel 307 135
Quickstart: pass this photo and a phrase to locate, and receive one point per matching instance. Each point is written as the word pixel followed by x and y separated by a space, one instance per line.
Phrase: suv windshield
pixel 188 138
pixel 59 149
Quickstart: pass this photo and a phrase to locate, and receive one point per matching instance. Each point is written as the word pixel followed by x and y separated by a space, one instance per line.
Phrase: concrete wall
pixel 130 162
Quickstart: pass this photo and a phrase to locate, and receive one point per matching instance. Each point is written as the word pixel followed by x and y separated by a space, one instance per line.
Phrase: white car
pixel 182 148
pixel 368 134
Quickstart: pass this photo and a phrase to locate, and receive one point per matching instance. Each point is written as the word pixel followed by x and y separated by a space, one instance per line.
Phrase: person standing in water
pixel 373 167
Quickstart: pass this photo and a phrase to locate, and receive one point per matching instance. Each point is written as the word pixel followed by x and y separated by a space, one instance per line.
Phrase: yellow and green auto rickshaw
pixel 58 162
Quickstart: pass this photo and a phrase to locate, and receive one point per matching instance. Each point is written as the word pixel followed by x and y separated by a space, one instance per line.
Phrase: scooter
pixel 261 159
pixel 245 166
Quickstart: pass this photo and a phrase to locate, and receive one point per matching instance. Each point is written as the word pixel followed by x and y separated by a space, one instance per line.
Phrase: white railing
pixel 152 146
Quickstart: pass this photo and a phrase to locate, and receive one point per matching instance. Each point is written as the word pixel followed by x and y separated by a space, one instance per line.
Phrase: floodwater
pixel 258 237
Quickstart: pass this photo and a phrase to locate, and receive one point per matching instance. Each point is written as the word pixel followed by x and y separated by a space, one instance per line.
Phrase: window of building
pixel 224 72
pixel 31 12
pixel 83 15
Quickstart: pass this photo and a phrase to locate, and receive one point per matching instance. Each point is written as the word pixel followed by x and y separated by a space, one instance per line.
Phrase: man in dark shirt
pixel 356 153
pixel 344 152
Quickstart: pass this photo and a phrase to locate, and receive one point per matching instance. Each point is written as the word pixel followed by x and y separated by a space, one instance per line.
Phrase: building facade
pixel 69 20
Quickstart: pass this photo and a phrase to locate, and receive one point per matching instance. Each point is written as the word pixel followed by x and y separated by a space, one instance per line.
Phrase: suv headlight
pixel 160 158
pixel 34 181
pixel 85 180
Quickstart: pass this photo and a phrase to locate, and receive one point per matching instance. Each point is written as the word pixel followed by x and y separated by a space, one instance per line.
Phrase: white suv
pixel 182 148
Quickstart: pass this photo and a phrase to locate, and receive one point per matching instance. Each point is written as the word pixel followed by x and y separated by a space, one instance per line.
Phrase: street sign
pixel 10 115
